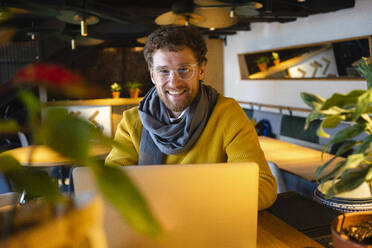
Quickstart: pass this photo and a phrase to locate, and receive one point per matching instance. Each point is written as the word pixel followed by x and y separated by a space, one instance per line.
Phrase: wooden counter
pixel 299 160
pixel 274 233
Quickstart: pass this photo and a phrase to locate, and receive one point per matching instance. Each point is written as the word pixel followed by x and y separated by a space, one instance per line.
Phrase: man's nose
pixel 173 77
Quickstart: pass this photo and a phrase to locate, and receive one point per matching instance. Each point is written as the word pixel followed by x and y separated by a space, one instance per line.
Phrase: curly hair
pixel 175 38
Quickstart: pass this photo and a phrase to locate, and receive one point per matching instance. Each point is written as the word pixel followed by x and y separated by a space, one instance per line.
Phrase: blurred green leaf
pixel 35 182
pixel 9 126
pixel 311 100
pixel 32 104
pixel 366 70
pixel 346 146
pixel 332 121
pixel 333 172
pixel 342 101
pixel 118 188
pixel 311 117
pixel 67 134
pixel 351 181
pixel 352 161
pixel 365 145
pixel 363 102
pixel 347 133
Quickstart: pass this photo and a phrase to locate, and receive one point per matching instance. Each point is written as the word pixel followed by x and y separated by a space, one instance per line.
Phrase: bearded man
pixel 183 121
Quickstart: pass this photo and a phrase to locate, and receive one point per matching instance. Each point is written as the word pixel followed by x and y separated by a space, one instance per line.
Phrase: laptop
pixel 199 205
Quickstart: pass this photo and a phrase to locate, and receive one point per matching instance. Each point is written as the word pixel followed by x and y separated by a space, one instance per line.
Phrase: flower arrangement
pixel 354 108
pixel 71 137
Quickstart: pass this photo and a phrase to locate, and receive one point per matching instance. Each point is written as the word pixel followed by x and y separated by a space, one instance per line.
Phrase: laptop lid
pixel 199 205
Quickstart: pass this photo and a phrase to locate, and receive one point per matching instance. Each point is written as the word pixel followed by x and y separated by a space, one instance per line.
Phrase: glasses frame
pixel 174 72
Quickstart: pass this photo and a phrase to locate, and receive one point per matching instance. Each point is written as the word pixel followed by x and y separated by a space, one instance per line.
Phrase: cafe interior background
pixel 319 44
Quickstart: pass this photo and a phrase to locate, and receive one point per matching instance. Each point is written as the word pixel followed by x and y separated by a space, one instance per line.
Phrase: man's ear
pixel 201 71
pixel 152 77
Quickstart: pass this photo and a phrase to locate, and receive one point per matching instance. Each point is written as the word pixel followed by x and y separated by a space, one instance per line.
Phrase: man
pixel 181 120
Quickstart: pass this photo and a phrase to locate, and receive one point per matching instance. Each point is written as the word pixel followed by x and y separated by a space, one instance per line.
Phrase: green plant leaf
pixel 364 145
pixel 118 188
pixel 332 173
pixel 364 101
pixel 342 101
pixel 67 134
pixel 366 70
pixel 332 121
pixel 36 183
pixel 311 100
pixel 346 146
pixel 9 126
pixel 314 115
pixel 351 181
pixel 347 133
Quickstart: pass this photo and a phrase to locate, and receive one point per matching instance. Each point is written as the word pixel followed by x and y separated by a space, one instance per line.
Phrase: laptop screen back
pixel 200 205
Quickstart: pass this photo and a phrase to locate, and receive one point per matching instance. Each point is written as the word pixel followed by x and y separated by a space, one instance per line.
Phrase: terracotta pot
pixel 343 221
pixel 133 93
pixel 276 61
pixel 41 225
pixel 115 94
pixel 262 67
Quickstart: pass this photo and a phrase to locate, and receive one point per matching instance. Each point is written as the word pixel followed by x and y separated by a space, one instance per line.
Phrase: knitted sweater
pixel 229 136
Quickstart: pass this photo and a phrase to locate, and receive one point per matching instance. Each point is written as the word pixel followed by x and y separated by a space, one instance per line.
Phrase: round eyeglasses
pixel 183 72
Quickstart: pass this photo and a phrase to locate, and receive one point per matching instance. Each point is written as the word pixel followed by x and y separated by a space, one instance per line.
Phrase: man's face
pixel 176 77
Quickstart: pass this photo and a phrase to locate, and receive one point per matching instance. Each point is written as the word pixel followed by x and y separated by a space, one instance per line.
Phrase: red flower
pixel 53 77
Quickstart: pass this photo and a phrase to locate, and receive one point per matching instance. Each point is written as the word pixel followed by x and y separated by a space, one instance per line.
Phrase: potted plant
pixel 133 88
pixel 72 138
pixel 276 58
pixel 262 63
pixel 115 90
pixel 354 108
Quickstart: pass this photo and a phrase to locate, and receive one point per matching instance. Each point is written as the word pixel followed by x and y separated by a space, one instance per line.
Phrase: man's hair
pixel 175 38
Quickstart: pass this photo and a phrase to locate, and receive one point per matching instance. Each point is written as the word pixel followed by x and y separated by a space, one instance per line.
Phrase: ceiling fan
pixel 210 14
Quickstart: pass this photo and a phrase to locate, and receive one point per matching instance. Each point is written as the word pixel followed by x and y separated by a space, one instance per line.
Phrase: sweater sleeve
pixel 242 145
pixel 128 136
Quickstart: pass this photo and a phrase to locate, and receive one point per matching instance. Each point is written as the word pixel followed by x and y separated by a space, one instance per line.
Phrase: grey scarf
pixel 160 137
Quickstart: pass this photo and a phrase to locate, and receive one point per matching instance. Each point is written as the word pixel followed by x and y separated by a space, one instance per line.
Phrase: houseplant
pixel 115 90
pixel 354 108
pixel 276 58
pixel 133 88
pixel 262 63
pixel 71 137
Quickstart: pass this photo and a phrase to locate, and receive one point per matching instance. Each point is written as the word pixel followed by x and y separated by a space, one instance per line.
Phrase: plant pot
pixel 262 66
pixel 276 62
pixel 343 221
pixel 133 93
pixel 115 94
pixel 77 223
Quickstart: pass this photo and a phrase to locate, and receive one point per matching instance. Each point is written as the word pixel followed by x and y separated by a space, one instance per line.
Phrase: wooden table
pixel 43 156
pixel 274 233
pixel 299 160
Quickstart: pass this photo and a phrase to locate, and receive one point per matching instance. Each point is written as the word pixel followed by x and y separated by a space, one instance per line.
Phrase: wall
pixel 345 23
pixel 214 68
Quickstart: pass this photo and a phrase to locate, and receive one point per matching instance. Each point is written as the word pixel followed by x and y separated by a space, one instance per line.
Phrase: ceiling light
pixel 301 1
pixel 232 13
pixel 212 28
pixel 73 45
pixel 84 27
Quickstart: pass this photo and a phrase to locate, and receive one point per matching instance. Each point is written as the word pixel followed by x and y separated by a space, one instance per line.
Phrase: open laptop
pixel 199 205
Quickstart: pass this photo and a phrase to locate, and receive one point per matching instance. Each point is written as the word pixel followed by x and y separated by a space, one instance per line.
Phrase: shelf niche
pixel 326 60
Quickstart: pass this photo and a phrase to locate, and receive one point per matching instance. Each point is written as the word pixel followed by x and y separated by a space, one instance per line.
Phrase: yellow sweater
pixel 229 136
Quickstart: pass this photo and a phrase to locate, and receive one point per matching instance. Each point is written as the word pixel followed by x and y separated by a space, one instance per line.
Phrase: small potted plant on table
pixel 115 90
pixel 133 88
pixel 276 58
pixel 262 63
pixel 353 108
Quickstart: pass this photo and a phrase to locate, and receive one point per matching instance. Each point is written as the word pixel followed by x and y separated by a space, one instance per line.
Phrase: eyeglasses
pixel 183 72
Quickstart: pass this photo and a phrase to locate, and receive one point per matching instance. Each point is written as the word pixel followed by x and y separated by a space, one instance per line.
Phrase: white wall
pixel 345 23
